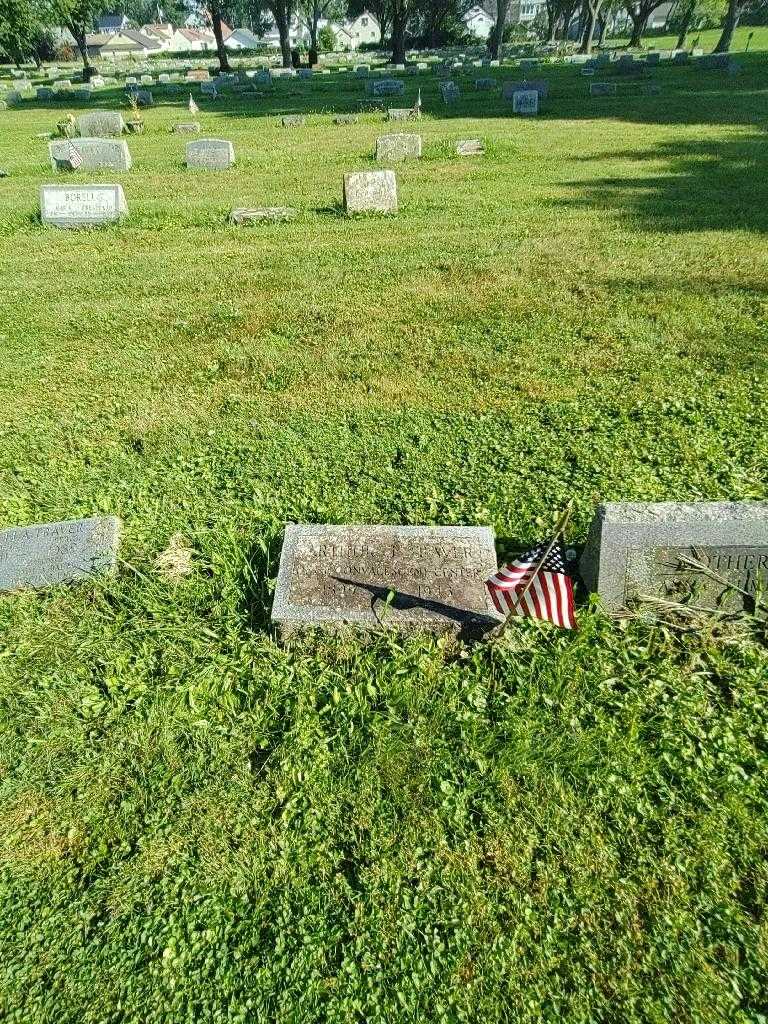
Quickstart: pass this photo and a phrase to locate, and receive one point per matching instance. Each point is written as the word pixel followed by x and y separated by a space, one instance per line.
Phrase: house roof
pixel 243 36
pixel 194 36
pixel 98 38
pixel 163 30
pixel 112 20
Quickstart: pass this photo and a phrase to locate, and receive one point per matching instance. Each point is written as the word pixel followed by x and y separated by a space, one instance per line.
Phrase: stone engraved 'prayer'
pixel 379 577
pixel 68 206
pixel 679 552
pixel 40 556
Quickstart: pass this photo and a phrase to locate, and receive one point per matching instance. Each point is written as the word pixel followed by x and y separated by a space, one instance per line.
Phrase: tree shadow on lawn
pixel 708 186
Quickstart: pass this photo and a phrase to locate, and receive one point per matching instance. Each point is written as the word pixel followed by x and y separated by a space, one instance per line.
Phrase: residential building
pixel 127 42
pixel 109 24
pixel 479 22
pixel 242 39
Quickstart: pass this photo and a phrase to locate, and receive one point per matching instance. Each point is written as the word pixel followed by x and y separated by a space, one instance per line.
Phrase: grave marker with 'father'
pixel 69 206
pixel 386 577
pixel 678 552
pixel 40 556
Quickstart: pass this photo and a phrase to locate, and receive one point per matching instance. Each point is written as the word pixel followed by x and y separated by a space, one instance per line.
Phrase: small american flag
pixel 73 157
pixel 193 107
pixel 550 596
pixel 417 105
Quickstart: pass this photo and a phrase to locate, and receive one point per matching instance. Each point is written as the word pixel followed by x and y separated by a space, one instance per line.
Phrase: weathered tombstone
pixel 147 80
pixel 469 147
pixel 528 64
pixel 186 128
pixel 50 553
pixel 370 192
pixel 164 78
pixel 525 102
pixel 143 97
pixel 681 57
pixel 449 91
pixel 405 578
pixel 304 73
pixel 210 155
pixel 76 206
pixel 400 113
pixel 385 87
pixel 362 71
pixel 484 84
pixel 293 121
pixel 602 89
pixel 402 146
pixel 93 153
pixel 678 552
pixel 345 119
pixel 99 123
pixel 211 88
pixel 261 214
pixel 196 75
pixel 652 59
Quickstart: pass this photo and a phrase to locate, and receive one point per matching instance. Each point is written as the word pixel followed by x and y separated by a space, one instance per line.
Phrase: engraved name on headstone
pixel 678 551
pixel 386 577
pixel 69 206
pixel 93 153
pixel 40 556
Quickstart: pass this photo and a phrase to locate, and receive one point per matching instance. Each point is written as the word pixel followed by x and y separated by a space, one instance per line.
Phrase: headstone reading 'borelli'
pixel 99 123
pixel 210 155
pixel 681 552
pixel 71 206
pixel 41 556
pixel 94 154
pixel 246 215
pixel 386 577
pixel 370 192
pixel 402 146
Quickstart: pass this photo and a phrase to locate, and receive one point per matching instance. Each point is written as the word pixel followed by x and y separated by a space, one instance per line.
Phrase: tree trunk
pixel 399 23
pixel 603 23
pixel 552 20
pixel 638 27
pixel 220 47
pixel 313 58
pixel 78 31
pixel 685 24
pixel 283 27
pixel 729 26
pixel 593 10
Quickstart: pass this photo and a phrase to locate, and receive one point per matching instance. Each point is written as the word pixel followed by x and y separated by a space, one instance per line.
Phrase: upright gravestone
pixel 370 192
pixel 93 153
pixel 404 578
pixel 100 123
pixel 541 86
pixel 385 87
pixel 484 84
pixel 41 556
pixel 449 91
pixel 401 146
pixel 526 102
pixel 210 155
pixel 71 206
pixel 678 552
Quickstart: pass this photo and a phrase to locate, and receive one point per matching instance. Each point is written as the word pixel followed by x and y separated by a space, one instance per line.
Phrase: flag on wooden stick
pixel 417 105
pixel 193 107
pixel 536 585
pixel 73 157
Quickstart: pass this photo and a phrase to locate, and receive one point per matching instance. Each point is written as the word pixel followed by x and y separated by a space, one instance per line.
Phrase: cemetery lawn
pixel 202 823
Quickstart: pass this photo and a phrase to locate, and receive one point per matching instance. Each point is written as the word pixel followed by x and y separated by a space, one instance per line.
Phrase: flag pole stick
pixel 562 523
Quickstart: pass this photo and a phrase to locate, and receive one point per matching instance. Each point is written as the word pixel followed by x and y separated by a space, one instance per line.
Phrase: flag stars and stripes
pixel 550 594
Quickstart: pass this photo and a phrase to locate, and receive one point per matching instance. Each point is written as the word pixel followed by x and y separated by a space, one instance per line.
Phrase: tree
pixel 592 13
pixel 310 13
pixel 732 17
pixel 639 12
pixel 79 16
pixel 401 11
pixel 21 23
pixel 282 13
pixel 497 32
pixel 442 21
pixel 215 12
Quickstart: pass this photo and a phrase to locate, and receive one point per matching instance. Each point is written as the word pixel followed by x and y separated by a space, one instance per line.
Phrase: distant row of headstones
pixel 714 555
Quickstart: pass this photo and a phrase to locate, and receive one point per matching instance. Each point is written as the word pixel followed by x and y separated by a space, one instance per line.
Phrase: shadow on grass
pixel 707 186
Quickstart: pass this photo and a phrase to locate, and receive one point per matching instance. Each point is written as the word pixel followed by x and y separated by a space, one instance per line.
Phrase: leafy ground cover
pixel 202 823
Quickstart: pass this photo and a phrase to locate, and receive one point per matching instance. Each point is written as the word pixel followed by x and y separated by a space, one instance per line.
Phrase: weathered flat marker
pixel 645 550
pixel 407 578
pixel 40 556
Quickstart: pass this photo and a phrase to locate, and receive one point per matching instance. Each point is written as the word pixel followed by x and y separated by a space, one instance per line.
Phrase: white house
pixel 362 29
pixel 478 21
pixel 125 43
pixel 108 24
pixel 241 39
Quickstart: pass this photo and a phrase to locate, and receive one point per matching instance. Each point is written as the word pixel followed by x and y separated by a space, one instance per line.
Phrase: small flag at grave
pixel 73 157
pixel 193 107
pixel 536 584
pixel 417 105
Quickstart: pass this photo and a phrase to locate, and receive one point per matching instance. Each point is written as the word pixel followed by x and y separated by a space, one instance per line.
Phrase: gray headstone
pixel 261 214
pixel 304 72
pixel 469 147
pixel 362 71
pixel 41 556
pixel 186 128
pixel 99 123
pixel 75 206
pixel 386 87
pixel 449 91
pixel 509 89
pixel 484 84
pixel 293 121
pixel 402 146
pixel 525 102
pixel 636 550
pixel 681 57
pixel 210 154
pixel 44 92
pixel 370 192
pixel 602 89
pixel 404 578
pixel 94 153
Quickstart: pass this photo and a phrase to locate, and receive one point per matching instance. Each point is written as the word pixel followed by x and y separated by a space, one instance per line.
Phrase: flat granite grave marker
pixel 401 113
pixel 99 123
pixel 386 577
pixel 210 155
pixel 470 147
pixel 636 550
pixel 94 153
pixel 401 146
pixel 50 553
pixel 75 206
pixel 370 192
pixel 261 214
pixel 186 128
pixel 345 119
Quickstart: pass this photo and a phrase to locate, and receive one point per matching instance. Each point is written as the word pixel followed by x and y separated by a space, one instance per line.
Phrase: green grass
pixel 201 823
pixel 707 39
